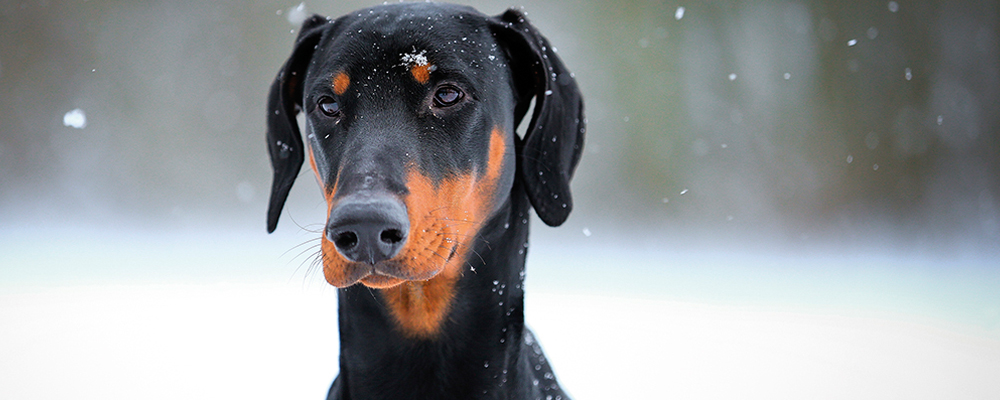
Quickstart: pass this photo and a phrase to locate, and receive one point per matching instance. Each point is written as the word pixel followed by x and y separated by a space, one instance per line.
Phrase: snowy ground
pixel 157 335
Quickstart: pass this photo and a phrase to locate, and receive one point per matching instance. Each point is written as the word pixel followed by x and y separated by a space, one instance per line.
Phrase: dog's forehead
pixel 413 34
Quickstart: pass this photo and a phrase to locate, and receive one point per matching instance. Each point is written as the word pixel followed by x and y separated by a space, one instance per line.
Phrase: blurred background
pixel 827 172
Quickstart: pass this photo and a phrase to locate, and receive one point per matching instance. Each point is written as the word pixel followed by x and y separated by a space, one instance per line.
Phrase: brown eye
pixel 328 106
pixel 447 96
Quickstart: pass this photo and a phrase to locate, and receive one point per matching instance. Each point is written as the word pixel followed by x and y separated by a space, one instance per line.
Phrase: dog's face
pixel 412 109
pixel 410 112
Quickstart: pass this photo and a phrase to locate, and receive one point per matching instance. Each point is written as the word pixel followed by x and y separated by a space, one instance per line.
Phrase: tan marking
pixel 422 72
pixel 498 149
pixel 312 163
pixel 444 220
pixel 453 212
pixel 340 83
pixel 381 281
pixel 420 307
pixel 334 264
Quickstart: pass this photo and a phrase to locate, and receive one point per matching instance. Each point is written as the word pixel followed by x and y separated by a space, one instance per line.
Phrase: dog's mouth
pixel 408 266
pixel 379 281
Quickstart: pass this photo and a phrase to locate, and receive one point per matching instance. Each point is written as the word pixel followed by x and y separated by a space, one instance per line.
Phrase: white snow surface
pixel 266 341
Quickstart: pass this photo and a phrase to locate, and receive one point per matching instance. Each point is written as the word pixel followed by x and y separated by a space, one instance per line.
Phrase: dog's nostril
pixel 368 227
pixel 391 236
pixel 346 240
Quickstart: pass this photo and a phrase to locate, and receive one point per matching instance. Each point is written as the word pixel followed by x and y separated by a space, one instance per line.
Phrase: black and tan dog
pixel 410 111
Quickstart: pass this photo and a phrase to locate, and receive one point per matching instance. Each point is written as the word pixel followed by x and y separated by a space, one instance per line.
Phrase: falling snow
pixel 297 15
pixel 75 119
pixel 872 33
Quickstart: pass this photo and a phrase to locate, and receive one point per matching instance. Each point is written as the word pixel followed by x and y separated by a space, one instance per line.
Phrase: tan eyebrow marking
pixel 422 73
pixel 340 83
pixel 420 67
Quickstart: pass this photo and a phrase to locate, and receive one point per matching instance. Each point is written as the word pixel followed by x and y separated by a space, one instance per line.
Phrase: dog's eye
pixel 328 106
pixel 447 96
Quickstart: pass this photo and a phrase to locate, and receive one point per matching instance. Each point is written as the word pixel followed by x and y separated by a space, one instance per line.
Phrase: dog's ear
pixel 553 142
pixel 283 138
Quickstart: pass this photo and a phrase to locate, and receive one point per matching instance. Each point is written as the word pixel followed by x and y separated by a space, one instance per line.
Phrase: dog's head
pixel 410 111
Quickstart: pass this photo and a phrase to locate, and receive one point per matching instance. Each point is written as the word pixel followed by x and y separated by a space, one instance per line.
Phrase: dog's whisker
pixel 304 252
pixel 308 249
pixel 459 221
pixel 479 255
pixel 310 259
pixel 306 228
pixel 298 246
pixel 315 264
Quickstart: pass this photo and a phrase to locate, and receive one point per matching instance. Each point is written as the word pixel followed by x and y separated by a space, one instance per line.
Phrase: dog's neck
pixel 483 330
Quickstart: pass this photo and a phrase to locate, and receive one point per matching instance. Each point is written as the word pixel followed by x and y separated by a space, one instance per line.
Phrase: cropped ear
pixel 284 102
pixel 551 147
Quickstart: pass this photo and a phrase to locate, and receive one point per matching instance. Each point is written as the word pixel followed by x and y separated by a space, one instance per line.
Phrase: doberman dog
pixel 410 113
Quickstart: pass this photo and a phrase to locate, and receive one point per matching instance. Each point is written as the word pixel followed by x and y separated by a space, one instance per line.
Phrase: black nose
pixel 368 228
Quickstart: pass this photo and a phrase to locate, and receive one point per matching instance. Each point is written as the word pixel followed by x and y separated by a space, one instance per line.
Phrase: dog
pixel 410 113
